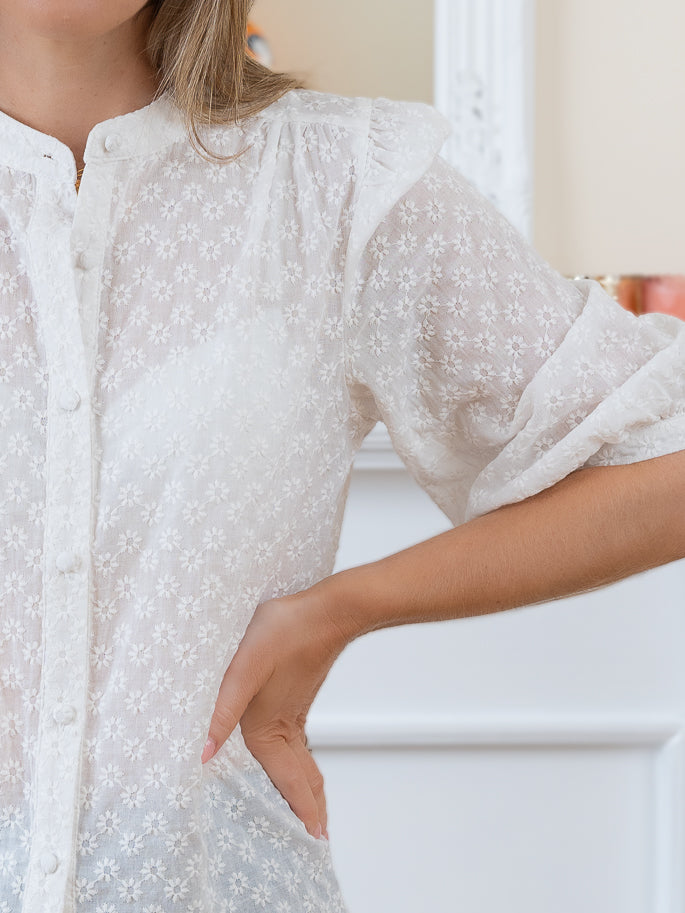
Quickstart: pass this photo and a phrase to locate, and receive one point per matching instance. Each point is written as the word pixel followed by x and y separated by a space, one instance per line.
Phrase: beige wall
pixel 391 54
pixel 610 92
pixel 610 143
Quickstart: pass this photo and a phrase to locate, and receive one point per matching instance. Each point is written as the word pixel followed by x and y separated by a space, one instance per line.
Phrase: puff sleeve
pixel 495 375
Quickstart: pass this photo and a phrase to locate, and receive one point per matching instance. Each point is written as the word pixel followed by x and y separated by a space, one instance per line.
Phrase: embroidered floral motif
pixel 190 357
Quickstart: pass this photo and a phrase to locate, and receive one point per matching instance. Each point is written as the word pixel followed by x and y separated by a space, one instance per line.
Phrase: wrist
pixel 347 599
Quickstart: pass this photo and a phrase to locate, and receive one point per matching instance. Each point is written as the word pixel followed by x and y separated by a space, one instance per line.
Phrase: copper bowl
pixel 644 294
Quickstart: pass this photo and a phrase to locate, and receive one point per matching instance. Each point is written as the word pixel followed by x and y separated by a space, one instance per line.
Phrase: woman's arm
pixel 594 527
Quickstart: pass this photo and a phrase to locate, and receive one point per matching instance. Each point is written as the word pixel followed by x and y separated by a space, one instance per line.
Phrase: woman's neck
pixel 64 87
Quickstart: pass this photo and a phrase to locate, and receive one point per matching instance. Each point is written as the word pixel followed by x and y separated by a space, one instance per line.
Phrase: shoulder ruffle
pixel 402 141
pixel 396 141
pixel 404 137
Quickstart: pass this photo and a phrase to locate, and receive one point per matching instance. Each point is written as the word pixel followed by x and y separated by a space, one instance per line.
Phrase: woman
pixel 196 337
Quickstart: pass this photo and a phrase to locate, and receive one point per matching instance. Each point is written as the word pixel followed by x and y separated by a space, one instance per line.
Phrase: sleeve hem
pixel 652 441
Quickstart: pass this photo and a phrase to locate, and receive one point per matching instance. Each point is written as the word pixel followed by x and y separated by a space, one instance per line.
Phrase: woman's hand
pixel 288 648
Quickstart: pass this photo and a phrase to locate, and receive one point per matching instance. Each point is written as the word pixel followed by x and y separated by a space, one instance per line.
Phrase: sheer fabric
pixel 191 355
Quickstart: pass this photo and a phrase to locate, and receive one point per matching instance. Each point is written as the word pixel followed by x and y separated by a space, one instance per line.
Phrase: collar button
pixel 112 142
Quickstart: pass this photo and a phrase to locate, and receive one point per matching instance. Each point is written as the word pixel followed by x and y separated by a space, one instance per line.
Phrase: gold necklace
pixel 79 174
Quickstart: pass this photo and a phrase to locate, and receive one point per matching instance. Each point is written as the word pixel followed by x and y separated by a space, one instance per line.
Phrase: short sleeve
pixel 495 375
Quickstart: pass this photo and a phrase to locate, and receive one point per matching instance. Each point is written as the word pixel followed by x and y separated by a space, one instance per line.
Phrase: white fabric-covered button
pixel 48 862
pixel 69 399
pixel 112 142
pixel 67 561
pixel 86 259
pixel 64 713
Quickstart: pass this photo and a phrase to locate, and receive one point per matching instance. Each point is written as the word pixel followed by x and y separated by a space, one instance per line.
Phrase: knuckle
pixel 268 742
pixel 273 736
pixel 224 717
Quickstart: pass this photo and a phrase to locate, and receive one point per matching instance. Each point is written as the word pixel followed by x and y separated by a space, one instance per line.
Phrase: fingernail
pixel 325 833
pixel 208 750
pixel 317 831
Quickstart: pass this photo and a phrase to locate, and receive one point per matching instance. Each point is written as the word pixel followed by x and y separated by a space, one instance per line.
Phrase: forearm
pixel 596 526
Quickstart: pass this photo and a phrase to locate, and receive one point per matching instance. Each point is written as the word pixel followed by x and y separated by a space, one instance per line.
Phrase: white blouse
pixel 190 357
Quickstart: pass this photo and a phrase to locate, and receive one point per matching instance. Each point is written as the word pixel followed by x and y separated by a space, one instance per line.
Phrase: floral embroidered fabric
pixel 190 357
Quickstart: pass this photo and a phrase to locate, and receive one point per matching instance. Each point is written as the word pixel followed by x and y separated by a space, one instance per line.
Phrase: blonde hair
pixel 199 50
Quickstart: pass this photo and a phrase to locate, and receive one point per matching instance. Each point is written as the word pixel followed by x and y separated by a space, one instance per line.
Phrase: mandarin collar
pixel 141 132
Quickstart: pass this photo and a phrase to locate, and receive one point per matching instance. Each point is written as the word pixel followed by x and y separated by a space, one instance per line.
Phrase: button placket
pixel 66 581
pixel 89 234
